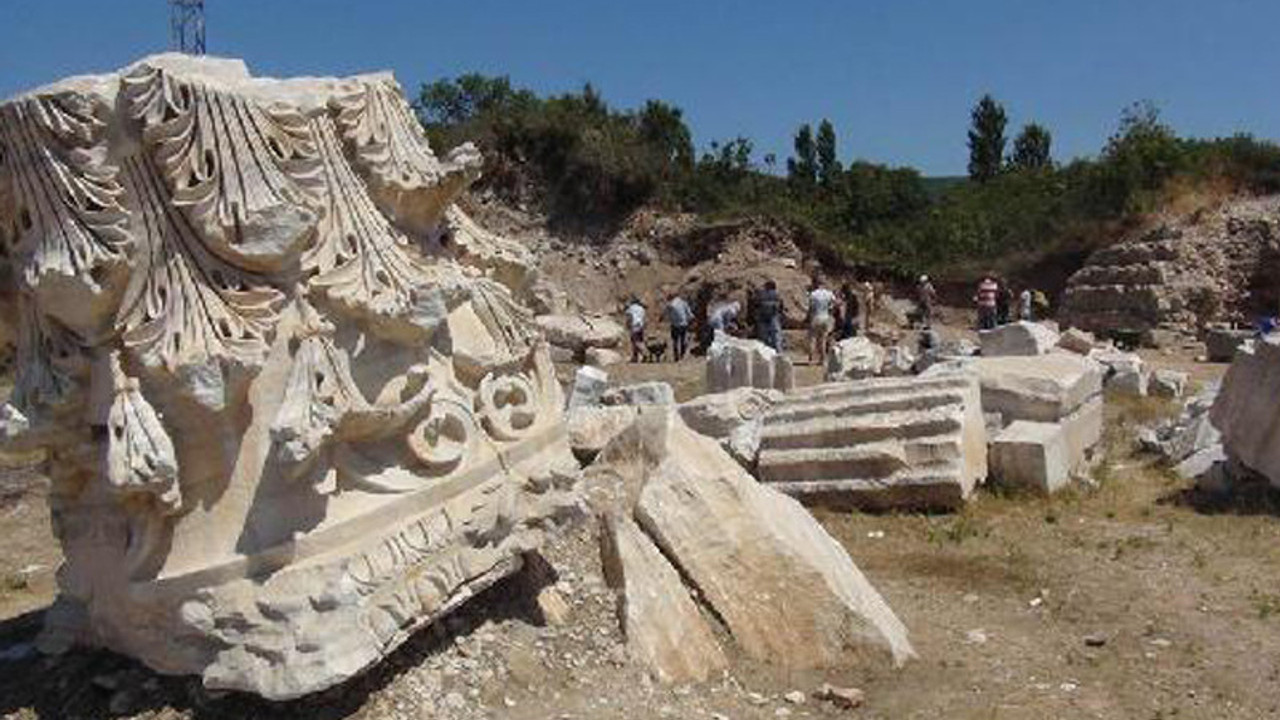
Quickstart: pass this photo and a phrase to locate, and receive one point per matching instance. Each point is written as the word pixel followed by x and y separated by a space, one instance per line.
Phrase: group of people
pixel 829 315
pixel 995 302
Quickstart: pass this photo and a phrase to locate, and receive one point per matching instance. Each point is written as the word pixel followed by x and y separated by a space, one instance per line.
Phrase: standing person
pixel 986 300
pixel 821 301
pixel 869 303
pixel 635 325
pixel 1025 311
pixel 852 316
pixel 926 295
pixel 769 316
pixel 679 315
pixel 1004 302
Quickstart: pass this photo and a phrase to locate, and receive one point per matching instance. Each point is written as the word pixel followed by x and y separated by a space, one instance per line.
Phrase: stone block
pixel 589 385
pixel 646 393
pixel 877 444
pixel 604 357
pixel 854 358
pixel 1077 341
pixel 734 418
pixel 1019 338
pixel 292 427
pixel 738 362
pixel 590 428
pixel 1043 388
pixel 1168 383
pixel 579 332
pixel 1247 409
pixel 1221 343
pixel 1031 455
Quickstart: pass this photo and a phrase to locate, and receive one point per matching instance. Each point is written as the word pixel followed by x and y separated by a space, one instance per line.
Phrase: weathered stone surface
pixel 1168 383
pixel 590 428
pixel 899 361
pixel 1129 380
pixel 1060 387
pixel 604 357
pixel 785 590
pixel 1187 434
pixel 662 624
pixel 646 393
pixel 1078 341
pixel 854 358
pixel 285 437
pixel 735 418
pixel 879 443
pixel 1207 266
pixel 589 385
pixel 1031 455
pixel 1222 342
pixel 579 332
pixel 1019 338
pixel 1247 411
pixel 737 362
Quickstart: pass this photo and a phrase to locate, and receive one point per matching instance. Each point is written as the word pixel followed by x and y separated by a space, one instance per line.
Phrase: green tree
pixel 828 165
pixel 662 128
pixel 802 169
pixel 1031 149
pixel 986 139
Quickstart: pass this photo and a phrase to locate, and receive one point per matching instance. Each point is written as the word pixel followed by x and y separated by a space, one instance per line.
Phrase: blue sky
pixel 896 77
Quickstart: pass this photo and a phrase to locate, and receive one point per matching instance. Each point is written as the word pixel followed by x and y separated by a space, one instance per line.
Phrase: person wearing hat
pixel 926 295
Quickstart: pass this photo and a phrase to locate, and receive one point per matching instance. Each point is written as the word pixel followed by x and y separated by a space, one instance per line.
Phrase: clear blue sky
pixel 896 77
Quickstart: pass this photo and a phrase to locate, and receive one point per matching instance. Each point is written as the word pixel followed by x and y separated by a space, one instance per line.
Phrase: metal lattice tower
pixel 186 26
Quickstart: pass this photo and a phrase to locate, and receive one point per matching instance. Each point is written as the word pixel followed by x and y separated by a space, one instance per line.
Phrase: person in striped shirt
pixel 986 299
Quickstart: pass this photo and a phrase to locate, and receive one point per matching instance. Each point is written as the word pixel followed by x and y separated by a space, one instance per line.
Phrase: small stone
pixel 977 636
pixel 508 702
pixel 782 712
pixel 1095 640
pixel 756 698
pixel 455 700
pixel 555 610
pixel 847 698
pixel 1161 642
pixel 1068 687
pixel 795 697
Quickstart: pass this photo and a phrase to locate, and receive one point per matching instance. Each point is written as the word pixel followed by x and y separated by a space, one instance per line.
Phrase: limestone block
pixel 1060 387
pixel 1246 410
pixel 899 361
pixel 661 622
pixel 854 358
pixel 604 357
pixel 1128 380
pixel 786 591
pixel 1221 342
pixel 738 362
pixel 590 428
pixel 292 428
pixel 879 443
pixel 579 332
pixel 589 385
pixel 1019 338
pixel 564 356
pixel 1168 383
pixel 735 418
pixel 646 393
pixel 1078 341
pixel 1031 455
pixel 1043 388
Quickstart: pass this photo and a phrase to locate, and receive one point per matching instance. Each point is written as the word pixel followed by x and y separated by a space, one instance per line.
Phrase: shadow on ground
pixel 97 684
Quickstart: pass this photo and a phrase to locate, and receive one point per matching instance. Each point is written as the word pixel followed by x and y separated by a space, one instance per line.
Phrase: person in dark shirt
pixel 768 307
pixel 850 311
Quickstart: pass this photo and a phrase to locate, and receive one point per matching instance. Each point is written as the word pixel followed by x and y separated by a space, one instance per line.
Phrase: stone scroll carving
pixel 286 425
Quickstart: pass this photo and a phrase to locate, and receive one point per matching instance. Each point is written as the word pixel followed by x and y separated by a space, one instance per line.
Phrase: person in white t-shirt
pixel 821 319
pixel 635 325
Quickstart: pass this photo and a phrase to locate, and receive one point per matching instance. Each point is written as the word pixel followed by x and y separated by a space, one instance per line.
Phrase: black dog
pixel 657 350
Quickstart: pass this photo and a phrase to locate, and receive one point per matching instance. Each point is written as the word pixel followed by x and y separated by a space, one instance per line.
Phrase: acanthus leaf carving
pixel 360 262
pixel 388 144
pixel 187 312
pixel 140 457
pixel 247 176
pixel 51 373
pixel 66 227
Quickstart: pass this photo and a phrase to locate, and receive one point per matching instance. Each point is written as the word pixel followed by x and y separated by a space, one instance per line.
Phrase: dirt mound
pixel 1208 266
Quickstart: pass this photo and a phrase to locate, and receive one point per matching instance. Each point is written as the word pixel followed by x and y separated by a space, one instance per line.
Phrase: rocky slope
pixel 1214 265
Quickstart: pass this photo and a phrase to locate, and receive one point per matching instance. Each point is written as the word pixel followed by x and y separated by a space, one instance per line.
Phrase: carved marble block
pixel 288 420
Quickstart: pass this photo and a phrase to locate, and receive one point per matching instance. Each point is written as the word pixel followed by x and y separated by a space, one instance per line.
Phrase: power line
pixel 186 26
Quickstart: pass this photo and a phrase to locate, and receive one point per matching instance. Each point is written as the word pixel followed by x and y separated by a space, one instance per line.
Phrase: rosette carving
pixel 508 406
